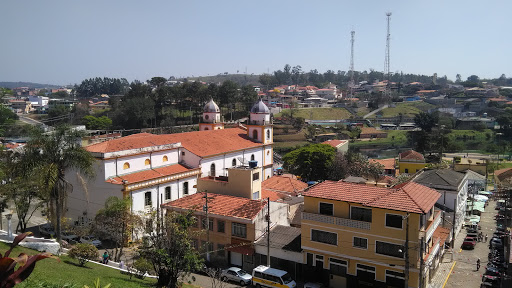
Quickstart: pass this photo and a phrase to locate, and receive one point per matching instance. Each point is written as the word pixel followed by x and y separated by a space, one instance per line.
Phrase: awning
pixel 485 192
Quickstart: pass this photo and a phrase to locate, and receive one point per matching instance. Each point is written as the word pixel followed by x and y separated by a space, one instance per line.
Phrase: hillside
pixel 241 79
pixel 12 85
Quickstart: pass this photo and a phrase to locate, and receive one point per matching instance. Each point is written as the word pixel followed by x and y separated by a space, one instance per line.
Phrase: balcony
pixel 336 221
pixel 432 225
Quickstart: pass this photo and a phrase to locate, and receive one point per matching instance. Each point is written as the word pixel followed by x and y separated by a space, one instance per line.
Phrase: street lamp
pixel 9 228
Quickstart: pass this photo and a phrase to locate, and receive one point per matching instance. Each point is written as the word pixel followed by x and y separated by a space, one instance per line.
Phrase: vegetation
pixel 317 113
pixel 97 86
pixel 83 252
pixel 7 118
pixel 311 162
pixel 97 123
pixel 409 109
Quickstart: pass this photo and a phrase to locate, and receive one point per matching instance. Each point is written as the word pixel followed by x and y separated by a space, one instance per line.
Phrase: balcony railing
pixel 432 226
pixel 336 221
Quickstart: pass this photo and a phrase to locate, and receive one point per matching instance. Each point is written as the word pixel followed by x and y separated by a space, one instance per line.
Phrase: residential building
pixel 477 165
pixel 503 177
pixel 154 169
pixel 340 145
pixel 476 182
pixel 234 224
pixel 410 162
pixel 453 187
pixel 371 133
pixel 389 165
pixel 38 100
pixel 20 106
pixel 53 103
pixel 355 235
pixel 329 94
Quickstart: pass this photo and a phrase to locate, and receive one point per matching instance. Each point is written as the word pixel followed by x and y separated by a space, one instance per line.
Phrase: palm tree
pixel 53 154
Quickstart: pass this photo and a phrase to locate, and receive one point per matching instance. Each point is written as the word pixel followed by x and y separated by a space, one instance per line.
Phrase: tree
pixel 114 222
pixel 170 249
pixel 311 162
pixel 157 82
pixel 54 154
pixel 426 121
pixel 83 252
pixel 97 123
pixel 7 117
pixel 458 79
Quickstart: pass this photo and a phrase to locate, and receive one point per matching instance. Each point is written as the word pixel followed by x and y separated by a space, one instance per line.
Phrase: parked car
pixel 496 243
pixel 314 285
pixel 90 240
pixel 490 281
pixel 492 271
pixel 237 275
pixel 69 237
pixel 46 230
pixel 469 243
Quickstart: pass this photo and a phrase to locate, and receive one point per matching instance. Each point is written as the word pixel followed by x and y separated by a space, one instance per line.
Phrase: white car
pixel 69 237
pixel 237 275
pixel 90 240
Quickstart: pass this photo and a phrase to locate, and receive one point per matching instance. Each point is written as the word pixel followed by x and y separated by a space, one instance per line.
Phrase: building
pixel 477 165
pixel 20 106
pixel 453 187
pixel 389 165
pixel 410 162
pixel 54 103
pixel 371 133
pixel 340 145
pixel 503 177
pixel 234 224
pixel 355 235
pixel 154 169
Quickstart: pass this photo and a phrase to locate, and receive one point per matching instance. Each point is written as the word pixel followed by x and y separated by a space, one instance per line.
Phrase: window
pixel 255 134
pixel 395 279
pixel 338 266
pixel 361 214
pixel 326 209
pixel 210 223
pixel 256 176
pixel 268 134
pixel 309 259
pixel 389 249
pixel 256 195
pixel 182 153
pixel 233 162
pixel 319 261
pixel 206 116
pixel 360 243
pixel 406 170
pixel 324 237
pixel 165 159
pixel 212 170
pixel 147 199
pixel 205 128
pixel 252 157
pixel 393 220
pixel 220 250
pixel 239 230
pixel 147 162
pixel 185 188
pixel 126 165
pixel 220 226
pixel 168 193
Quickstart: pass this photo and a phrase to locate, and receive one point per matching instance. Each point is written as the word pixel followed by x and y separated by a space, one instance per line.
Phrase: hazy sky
pixel 64 42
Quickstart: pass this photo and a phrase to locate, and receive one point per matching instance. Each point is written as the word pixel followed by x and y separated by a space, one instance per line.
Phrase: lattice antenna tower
pixel 387 71
pixel 352 34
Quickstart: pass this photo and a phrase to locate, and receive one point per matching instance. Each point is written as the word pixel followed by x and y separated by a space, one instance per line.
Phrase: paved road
pixel 375 111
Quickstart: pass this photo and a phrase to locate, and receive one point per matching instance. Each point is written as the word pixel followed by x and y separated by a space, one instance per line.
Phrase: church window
pixel 268 134
pixel 185 188
pixel 233 163
pixel 165 159
pixel 126 165
pixel 255 134
pixel 252 157
pixel 206 116
pixel 212 170
pixel 147 162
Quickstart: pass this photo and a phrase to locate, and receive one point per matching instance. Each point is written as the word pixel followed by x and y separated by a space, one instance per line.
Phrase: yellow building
pixel 354 235
pixel 410 162
pixel 477 165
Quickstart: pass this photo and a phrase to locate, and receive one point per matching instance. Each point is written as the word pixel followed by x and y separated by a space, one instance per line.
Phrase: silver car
pixel 237 275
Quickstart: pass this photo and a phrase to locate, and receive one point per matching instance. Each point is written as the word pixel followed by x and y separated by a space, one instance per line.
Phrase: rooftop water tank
pixel 253 163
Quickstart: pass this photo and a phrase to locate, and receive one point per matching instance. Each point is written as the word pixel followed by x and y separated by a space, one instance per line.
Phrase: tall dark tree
pixel 311 162
pixel 426 121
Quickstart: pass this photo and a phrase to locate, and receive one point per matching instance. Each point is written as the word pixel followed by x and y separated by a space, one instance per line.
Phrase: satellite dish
pixel 242 160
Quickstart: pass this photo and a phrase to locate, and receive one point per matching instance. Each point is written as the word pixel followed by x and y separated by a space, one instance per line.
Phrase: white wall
pixel 278 216
pixel 225 160
pixel 189 158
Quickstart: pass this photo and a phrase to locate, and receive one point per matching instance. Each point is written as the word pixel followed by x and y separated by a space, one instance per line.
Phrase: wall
pixel 240 183
pixel 278 216
pixel 413 167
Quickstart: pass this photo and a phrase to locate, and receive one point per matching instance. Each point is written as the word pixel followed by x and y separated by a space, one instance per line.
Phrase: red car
pixel 469 243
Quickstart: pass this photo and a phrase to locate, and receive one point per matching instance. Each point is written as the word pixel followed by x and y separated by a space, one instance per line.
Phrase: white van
pixel 263 276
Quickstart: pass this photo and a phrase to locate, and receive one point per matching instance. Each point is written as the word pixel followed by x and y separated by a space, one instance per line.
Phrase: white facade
pixel 38 100
pixel 451 199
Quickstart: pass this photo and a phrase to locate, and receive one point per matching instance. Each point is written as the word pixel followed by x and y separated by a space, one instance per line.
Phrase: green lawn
pixel 67 272
pixel 407 109
pixel 318 113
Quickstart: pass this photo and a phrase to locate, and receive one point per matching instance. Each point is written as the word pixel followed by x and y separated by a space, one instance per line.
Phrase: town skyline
pixel 63 43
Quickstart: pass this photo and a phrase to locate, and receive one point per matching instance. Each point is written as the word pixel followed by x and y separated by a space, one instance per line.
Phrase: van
pixel 263 276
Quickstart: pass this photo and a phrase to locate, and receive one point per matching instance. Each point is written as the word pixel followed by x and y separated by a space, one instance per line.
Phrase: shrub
pixel 83 252
pixel 142 266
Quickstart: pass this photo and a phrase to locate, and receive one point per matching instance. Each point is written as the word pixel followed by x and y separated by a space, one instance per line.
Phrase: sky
pixel 65 42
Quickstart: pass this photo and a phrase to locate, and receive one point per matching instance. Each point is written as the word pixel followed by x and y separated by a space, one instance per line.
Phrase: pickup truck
pixel 469 243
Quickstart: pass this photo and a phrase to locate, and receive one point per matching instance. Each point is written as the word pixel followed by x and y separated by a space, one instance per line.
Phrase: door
pixel 337 281
pixel 236 259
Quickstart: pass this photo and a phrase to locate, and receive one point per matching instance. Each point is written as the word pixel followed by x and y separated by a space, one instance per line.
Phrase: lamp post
pixel 9 228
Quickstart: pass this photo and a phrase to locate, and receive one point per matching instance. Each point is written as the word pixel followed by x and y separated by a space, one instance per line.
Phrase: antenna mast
pixel 387 61
pixel 352 34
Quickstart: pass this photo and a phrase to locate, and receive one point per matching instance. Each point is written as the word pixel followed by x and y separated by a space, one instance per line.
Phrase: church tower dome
pixel 259 127
pixel 211 117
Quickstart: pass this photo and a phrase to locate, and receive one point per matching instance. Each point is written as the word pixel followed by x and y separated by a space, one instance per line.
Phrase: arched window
pixel 147 199
pixel 268 134
pixel 252 157
pixel 212 170
pixel 126 165
pixel 255 134
pixel 165 159
pixel 206 116
pixel 233 163
pixel 147 162
pixel 185 188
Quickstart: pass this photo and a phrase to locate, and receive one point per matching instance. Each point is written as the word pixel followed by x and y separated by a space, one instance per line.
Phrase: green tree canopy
pixel 310 162
pixel 97 123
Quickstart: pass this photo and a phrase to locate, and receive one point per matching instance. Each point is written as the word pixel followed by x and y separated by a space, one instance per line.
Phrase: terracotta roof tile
pixel 201 143
pixel 503 174
pixel 387 163
pixel 411 155
pixel 410 196
pixel 284 184
pixel 222 205
pixel 335 143
pixel 272 195
pixel 149 174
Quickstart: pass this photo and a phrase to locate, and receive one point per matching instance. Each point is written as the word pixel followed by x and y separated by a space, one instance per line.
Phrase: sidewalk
pixel 446 263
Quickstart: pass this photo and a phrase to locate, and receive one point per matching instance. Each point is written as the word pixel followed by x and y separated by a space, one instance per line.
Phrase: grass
pixel 290 137
pixel 318 113
pixel 67 272
pixel 407 109
pixel 395 138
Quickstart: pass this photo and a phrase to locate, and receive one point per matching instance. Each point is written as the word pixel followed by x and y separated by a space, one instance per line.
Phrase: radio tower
pixel 352 83
pixel 386 61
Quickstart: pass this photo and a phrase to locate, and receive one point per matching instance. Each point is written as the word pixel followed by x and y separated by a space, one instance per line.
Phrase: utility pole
pixel 387 70
pixel 268 231
pixel 406 278
pixel 205 208
pixel 352 83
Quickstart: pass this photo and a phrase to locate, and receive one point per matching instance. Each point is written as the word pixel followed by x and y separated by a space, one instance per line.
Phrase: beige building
pixel 477 165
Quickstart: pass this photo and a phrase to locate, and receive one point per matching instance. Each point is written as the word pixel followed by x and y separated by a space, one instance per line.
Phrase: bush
pixel 83 252
pixel 142 266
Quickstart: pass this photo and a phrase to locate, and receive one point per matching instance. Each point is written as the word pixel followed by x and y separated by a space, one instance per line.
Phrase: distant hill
pixel 242 79
pixel 11 85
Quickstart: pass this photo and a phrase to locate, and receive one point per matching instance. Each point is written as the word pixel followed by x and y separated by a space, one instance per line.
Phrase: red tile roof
pixel 272 195
pixel 411 155
pixel 409 197
pixel 284 184
pixel 201 143
pixel 503 174
pixel 149 174
pixel 387 163
pixel 222 205
pixel 335 143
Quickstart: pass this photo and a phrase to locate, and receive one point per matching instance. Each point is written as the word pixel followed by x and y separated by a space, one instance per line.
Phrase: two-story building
pixel 154 169
pixel 410 162
pixel 355 235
